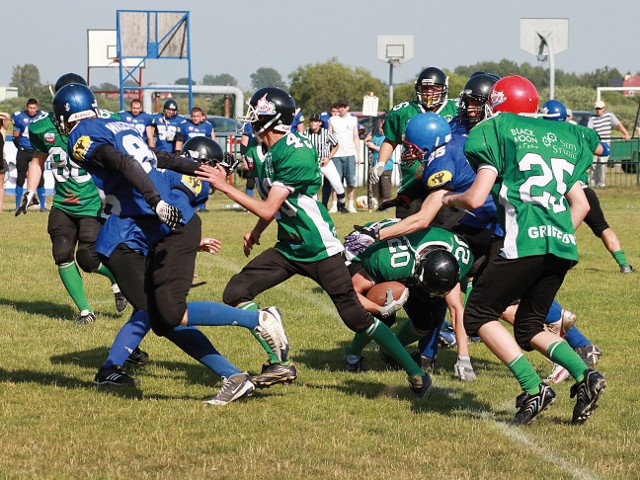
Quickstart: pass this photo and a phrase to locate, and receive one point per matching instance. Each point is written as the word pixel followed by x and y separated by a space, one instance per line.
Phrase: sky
pixel 239 37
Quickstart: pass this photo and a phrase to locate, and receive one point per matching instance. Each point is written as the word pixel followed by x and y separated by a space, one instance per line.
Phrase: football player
pixel 161 134
pixel 136 117
pixel 432 88
pixel 418 261
pixel 124 167
pixel 542 203
pixel 288 178
pixel 196 127
pixel 76 213
pixel 21 123
pixel 555 110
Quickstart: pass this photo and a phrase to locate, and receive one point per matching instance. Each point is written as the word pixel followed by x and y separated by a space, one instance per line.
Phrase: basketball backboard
pixel 103 50
pixel 534 32
pixel 395 48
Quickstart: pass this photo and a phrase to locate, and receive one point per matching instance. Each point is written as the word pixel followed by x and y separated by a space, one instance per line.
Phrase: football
pixel 378 293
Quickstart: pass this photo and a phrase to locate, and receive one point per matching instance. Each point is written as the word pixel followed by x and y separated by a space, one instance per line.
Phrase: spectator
pixel 382 189
pixel 603 123
pixel 21 121
pixel 327 146
pixel 5 119
pixel 136 117
pixel 570 117
pixel 345 127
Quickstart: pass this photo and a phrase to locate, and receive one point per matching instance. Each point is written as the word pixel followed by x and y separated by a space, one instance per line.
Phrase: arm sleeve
pixel 175 162
pixel 107 156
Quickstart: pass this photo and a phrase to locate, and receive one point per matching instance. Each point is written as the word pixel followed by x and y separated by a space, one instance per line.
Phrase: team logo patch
pixel 265 107
pixel 50 137
pixel 194 185
pixel 439 179
pixel 497 97
pixel 81 147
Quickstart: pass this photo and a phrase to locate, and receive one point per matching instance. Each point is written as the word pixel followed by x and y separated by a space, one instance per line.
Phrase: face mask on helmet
pixel 473 98
pixel 207 152
pixel 270 108
pixel 513 94
pixel 554 110
pixel 432 87
pixel 436 274
pixel 170 108
pixel 72 103
pixel 424 134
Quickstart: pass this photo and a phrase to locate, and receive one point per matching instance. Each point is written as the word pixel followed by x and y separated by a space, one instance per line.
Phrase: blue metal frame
pixel 152 52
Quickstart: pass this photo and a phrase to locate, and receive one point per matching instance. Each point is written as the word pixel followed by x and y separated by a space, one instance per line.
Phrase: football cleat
pixel 627 269
pixel 354 363
pixel 274 373
pixel 588 392
pixel 564 324
pixel 121 301
pixel 427 364
pixel 530 406
pixel 271 330
pixel 590 354
pixel 138 357
pixel 236 386
pixel 421 385
pixel 448 338
pixel 115 376
pixel 85 317
pixel 558 374
pixel 464 371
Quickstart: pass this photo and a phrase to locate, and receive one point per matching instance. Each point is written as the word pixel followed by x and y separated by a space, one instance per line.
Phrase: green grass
pixel 329 424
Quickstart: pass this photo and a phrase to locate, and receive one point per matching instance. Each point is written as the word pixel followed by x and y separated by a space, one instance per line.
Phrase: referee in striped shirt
pixel 327 145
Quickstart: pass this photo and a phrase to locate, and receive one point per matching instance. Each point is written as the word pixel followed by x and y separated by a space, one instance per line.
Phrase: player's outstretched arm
pixel 419 220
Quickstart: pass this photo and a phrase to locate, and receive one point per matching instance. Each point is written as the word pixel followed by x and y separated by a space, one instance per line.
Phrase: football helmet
pixel 170 106
pixel 71 103
pixel 436 274
pixel 554 110
pixel 423 135
pixel 473 98
pixel 207 151
pixel 270 108
pixel 514 94
pixel 68 78
pixel 432 87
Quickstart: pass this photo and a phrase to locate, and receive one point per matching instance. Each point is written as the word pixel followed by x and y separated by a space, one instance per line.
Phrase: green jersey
pixel 537 163
pixel 75 191
pixel 305 230
pixel 395 125
pixel 395 258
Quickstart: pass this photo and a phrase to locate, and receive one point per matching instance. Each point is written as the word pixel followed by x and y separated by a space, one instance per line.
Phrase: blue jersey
pixel 21 122
pixel 141 233
pixel 297 120
pixel 449 169
pixel 188 129
pixel 166 129
pixel 140 122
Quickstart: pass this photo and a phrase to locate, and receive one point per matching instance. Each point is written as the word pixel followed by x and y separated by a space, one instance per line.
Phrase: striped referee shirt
pixel 323 140
pixel 603 124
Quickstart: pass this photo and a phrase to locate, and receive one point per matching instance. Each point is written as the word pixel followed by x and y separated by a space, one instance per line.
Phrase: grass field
pixel 329 424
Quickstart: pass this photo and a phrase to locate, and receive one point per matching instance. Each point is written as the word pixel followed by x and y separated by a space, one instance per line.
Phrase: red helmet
pixel 514 94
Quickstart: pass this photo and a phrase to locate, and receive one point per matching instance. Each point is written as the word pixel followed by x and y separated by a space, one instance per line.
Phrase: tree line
pixel 316 86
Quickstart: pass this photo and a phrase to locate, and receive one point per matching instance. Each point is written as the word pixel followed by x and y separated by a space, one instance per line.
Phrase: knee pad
pixel 62 250
pixel 87 259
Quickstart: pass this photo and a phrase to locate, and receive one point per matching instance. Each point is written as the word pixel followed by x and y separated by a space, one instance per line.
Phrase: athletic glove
pixel 360 239
pixel 399 201
pixel 168 214
pixel 391 306
pixel 376 173
pixel 28 198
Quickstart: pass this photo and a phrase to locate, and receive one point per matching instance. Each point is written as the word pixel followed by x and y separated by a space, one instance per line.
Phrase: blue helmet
pixel 554 110
pixel 424 134
pixel 71 103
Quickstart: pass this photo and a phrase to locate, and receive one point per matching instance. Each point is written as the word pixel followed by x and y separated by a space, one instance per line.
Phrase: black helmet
pixel 436 274
pixel 427 96
pixel 170 105
pixel 68 78
pixel 270 108
pixel 207 151
pixel 477 89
